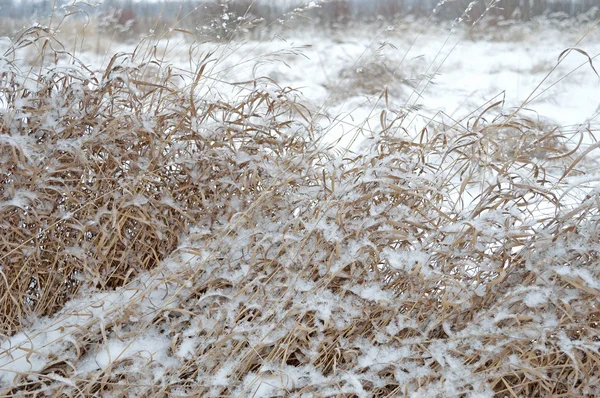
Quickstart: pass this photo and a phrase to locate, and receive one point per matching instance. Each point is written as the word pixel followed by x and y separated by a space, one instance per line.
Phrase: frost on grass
pixel 171 243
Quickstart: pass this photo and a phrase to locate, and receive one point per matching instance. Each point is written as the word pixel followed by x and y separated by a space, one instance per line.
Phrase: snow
pixel 146 348
pixel 21 199
pixel 461 73
pixel 473 73
pixel 32 349
pixel 537 297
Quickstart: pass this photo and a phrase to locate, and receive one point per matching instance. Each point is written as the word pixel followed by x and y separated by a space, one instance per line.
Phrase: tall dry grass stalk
pixel 224 252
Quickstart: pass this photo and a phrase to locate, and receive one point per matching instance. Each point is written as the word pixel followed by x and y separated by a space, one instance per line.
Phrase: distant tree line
pixel 222 14
pixel 342 10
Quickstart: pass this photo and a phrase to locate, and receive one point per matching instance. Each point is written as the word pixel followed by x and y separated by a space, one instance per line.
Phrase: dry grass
pixel 223 251
pixel 372 78
pixel 515 31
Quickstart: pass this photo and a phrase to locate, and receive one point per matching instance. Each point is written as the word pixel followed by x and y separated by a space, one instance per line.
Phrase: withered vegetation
pixel 243 255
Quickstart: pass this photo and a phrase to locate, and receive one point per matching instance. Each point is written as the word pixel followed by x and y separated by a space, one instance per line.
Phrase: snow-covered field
pixel 437 70
pixel 345 79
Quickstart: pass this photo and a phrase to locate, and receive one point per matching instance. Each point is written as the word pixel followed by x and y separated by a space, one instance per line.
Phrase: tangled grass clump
pixel 102 173
pixel 374 76
pixel 171 243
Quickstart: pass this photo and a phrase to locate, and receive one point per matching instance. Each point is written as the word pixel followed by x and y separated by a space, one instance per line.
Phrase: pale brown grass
pixel 459 260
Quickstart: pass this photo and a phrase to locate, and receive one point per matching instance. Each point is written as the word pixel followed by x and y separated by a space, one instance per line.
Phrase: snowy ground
pixel 340 77
pixel 436 69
